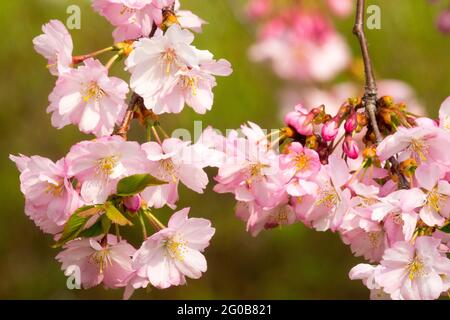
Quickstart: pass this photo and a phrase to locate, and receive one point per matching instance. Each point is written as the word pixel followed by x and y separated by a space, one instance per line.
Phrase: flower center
pixel 280 216
pixel 55 189
pixel 169 58
pixel 374 238
pixel 302 162
pixel 328 197
pixel 176 247
pixel 106 165
pixel 415 268
pixel 126 9
pixel 420 149
pixel 101 258
pixel 190 83
pixel 434 199
pixel 168 170
pixel 255 171
pixel 93 91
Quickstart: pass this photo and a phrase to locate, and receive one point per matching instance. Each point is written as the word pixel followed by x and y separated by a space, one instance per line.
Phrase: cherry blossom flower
pixel 99 164
pixel 437 204
pixel 87 97
pixel 108 263
pixel 156 60
pixel 192 87
pixel 132 18
pixel 416 271
pixel 56 46
pixel 174 253
pixel 258 219
pixel 172 161
pixel 424 144
pixel 301 120
pixel 368 273
pixel 49 195
pixel 341 8
pixel 444 115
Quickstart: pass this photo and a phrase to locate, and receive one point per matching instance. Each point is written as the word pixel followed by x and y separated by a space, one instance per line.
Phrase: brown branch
pixel 135 102
pixel 370 88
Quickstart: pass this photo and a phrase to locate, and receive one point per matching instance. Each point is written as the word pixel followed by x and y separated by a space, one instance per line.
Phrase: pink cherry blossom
pixel 368 273
pixel 300 120
pixel 132 18
pixel 443 21
pixel 56 46
pixel 424 144
pixel 330 130
pixel 172 161
pixel 99 164
pixel 191 86
pixel 49 196
pixel 174 253
pixel 414 272
pixel 258 219
pixel 252 172
pixel 444 115
pixel 108 263
pixel 155 61
pixel 302 162
pixel 437 204
pixel 87 97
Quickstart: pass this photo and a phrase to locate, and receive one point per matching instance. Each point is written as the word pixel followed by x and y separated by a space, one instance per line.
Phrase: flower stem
pixel 79 59
pixel 144 228
pixel 157 225
pixel 112 61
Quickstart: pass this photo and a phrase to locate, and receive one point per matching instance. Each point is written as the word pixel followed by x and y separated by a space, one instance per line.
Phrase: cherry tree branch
pixel 370 89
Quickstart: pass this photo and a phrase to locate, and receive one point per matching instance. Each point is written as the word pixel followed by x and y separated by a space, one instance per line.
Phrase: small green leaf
pixel 93 231
pixel 115 215
pixel 136 183
pixel 445 228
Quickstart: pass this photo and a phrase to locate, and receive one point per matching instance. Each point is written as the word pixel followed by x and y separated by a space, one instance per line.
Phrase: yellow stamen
pixel 420 148
pixel 328 197
pixel 93 91
pixel 106 165
pixel 434 199
pixel 176 247
pixel 302 162
pixel 415 268
pixel 101 258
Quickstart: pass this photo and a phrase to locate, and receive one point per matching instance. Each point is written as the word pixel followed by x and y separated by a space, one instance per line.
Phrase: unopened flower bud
pixel 330 130
pixel 350 147
pixel 169 19
pixel 352 123
pixel 300 120
pixel 133 203
pixel 369 152
pixel 385 102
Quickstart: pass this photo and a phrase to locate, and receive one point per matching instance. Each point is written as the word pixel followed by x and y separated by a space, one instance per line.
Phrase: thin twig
pixel 370 89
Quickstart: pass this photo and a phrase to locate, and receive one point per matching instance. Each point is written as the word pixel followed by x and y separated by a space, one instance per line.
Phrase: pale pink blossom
pixel 414 272
pixel 173 161
pixel 252 172
pixel 301 120
pixel 108 263
pixel 332 202
pixel 50 198
pixel 424 144
pixel 436 209
pixel 133 19
pixel 301 161
pixel 174 253
pixel 257 9
pixel 187 19
pixel 155 61
pixel 99 164
pixel 444 115
pixel 368 273
pixel 258 219
pixel 56 46
pixel 87 97
pixel 191 86
pixel 398 211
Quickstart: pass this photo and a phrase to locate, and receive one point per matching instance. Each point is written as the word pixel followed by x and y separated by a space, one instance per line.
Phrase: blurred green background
pixel 288 263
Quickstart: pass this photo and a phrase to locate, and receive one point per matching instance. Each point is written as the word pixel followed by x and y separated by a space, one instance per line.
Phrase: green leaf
pixel 445 228
pixel 115 215
pixel 76 223
pixel 136 183
pixel 101 226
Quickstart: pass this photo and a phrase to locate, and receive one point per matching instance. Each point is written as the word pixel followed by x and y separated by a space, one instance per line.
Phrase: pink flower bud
pixel 351 123
pixel 300 120
pixel 258 8
pixel 330 130
pixel 133 203
pixel 443 22
pixel 350 147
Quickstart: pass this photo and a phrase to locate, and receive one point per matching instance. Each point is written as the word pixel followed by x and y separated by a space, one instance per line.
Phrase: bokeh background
pixel 288 263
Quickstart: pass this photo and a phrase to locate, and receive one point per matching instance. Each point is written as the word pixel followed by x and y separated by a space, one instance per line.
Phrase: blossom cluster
pixel 109 183
pixel 390 202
